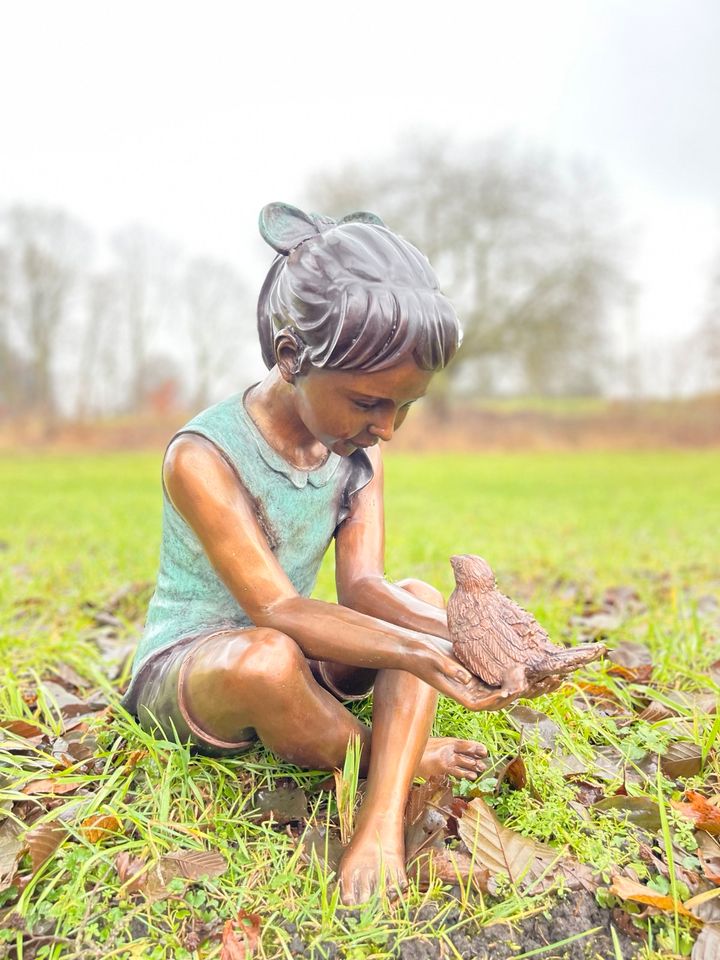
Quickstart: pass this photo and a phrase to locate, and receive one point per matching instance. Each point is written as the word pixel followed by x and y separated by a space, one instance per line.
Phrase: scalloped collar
pixel 299 478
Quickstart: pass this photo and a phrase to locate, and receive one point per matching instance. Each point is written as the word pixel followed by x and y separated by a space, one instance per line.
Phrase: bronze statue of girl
pixel 352 326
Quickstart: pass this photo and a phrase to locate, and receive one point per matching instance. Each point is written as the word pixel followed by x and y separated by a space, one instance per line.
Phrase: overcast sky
pixel 189 117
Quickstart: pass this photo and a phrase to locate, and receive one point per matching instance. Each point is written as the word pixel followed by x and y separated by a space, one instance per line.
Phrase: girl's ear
pixel 284 226
pixel 288 354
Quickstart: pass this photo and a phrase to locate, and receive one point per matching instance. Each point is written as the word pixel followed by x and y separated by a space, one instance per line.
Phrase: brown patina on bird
pixel 499 641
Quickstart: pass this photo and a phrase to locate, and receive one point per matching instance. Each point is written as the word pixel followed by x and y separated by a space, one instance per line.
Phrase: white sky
pixel 189 117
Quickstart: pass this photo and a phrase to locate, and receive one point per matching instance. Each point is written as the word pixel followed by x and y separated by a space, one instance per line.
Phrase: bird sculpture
pixel 496 639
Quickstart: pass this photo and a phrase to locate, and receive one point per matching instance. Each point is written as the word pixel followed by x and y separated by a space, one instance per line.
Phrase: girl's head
pixel 352 294
pixel 352 315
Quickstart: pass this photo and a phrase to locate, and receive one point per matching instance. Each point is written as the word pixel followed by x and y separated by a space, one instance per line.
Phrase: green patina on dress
pixel 298 510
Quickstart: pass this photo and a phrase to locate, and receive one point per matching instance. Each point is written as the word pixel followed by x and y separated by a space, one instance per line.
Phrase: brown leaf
pixel 100 826
pixel 287 803
pixel 42 841
pixel 50 786
pixel 327 848
pixel 627 889
pixel 534 723
pixel 588 793
pixel 707 945
pixel 642 811
pixel 127 867
pixel 655 711
pixel 681 759
pixel 69 677
pixel 133 759
pixel 499 849
pixel 11 849
pixel 450 866
pixel 705 815
pixel 240 936
pixel 513 771
pixel 632 661
pixel 709 856
pixel 188 864
pixel 22 728
pixel 426 814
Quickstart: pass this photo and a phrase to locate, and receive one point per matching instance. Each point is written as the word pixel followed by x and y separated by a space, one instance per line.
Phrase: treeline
pixel 533 251
pixel 85 331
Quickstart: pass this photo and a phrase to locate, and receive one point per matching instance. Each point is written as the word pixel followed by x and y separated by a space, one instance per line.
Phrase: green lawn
pixel 559 529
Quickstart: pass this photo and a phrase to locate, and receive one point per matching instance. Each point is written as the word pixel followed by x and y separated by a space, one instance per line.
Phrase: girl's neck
pixel 271 405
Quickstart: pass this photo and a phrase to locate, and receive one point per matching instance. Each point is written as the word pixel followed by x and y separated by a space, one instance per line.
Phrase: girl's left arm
pixel 360 565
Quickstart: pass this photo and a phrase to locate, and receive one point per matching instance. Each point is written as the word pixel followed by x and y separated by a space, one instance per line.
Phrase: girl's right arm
pixel 209 495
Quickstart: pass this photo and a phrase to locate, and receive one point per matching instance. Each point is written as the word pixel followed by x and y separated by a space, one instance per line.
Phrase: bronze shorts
pixel 156 697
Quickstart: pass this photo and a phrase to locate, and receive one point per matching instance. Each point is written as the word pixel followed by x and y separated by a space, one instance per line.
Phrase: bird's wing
pixel 475 620
pixel 528 632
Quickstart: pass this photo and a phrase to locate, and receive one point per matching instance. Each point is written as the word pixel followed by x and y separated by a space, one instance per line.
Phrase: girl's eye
pixel 364 405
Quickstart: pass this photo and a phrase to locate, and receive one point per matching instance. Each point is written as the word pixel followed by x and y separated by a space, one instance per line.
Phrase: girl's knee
pixel 423 591
pixel 270 653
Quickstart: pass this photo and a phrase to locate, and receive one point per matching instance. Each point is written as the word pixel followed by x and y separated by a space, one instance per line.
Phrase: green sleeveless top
pixel 298 510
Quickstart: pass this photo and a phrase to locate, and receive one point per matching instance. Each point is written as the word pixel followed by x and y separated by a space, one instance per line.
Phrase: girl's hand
pixel 444 672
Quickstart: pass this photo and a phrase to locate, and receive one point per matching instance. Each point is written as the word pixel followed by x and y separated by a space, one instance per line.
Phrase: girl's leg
pixel 403 713
pixel 259 679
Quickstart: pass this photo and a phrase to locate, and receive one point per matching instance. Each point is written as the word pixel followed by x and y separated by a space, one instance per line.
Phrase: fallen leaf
pixel 627 889
pixel 512 770
pixel 655 711
pixel 100 826
pixel 450 866
pixel 499 849
pixel 11 849
pixel 707 945
pixel 133 759
pixel 187 864
pixel 50 786
pixel 426 814
pixel 128 867
pixel 632 661
pixel 595 624
pixel 705 815
pixel 681 759
pixel 240 936
pixel 642 811
pixel 709 855
pixel 69 676
pixel 285 804
pixel 42 841
pixel 533 723
pixel 327 848
pixel 22 728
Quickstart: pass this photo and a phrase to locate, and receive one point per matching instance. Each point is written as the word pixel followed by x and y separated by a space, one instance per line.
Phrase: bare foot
pixel 374 861
pixel 456 758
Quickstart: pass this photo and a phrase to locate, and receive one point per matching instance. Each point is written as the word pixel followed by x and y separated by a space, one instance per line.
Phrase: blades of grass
pixel 616 943
pixel 558 943
pixel 709 740
pixel 667 839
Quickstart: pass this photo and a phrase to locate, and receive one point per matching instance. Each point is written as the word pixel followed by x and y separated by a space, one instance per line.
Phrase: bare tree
pixel 528 249
pixel 705 344
pixel 217 311
pixel 49 250
pixel 145 264
pixel 97 354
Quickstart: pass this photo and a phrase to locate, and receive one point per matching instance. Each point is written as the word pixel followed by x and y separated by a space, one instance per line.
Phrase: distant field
pixel 77 528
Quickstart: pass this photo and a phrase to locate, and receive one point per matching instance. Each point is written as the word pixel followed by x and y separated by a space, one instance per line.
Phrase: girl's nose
pixel 384 429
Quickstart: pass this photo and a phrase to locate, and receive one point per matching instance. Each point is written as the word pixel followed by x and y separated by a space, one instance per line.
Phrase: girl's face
pixel 346 409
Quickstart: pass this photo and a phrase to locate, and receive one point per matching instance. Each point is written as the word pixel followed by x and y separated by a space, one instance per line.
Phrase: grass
pixel 556 527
